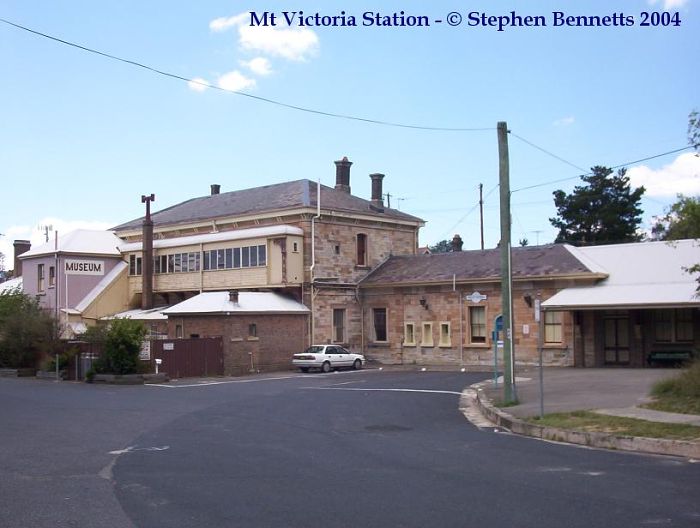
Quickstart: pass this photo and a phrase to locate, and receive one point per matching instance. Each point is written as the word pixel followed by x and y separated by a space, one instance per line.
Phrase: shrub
pixel 685 385
pixel 26 331
pixel 122 344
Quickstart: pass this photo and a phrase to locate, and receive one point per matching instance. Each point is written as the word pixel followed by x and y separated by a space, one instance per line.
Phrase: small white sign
pixel 537 310
pixel 476 297
pixel 145 354
pixel 168 346
pixel 526 329
pixel 84 267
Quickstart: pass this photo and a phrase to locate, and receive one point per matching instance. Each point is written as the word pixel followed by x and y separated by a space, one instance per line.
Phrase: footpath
pixel 616 392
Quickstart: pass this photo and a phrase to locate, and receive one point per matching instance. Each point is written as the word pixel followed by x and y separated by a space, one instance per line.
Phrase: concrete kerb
pixel 658 446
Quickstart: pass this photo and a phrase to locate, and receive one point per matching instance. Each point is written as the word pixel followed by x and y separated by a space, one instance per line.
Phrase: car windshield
pixel 314 350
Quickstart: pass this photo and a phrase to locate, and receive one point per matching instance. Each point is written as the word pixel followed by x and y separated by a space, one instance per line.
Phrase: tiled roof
pixel 268 198
pixel 473 265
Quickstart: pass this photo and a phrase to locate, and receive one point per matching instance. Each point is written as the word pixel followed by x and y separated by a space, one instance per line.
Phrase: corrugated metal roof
pixel 534 261
pixel 248 302
pixel 268 198
pixel 239 234
pixel 79 242
pixel 644 274
pixel 11 284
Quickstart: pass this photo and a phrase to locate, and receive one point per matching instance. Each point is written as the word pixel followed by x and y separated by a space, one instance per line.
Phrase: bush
pixel 122 344
pixel 685 385
pixel 26 331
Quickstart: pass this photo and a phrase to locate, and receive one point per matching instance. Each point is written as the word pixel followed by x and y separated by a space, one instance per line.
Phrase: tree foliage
pixel 605 210
pixel 681 221
pixel 122 344
pixel 694 130
pixel 444 246
pixel 26 331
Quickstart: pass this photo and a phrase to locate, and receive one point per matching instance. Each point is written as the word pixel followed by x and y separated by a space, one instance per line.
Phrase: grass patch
pixel 680 394
pixel 503 404
pixel 600 423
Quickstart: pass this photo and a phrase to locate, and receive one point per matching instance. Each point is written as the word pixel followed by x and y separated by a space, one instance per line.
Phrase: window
pixel 225 259
pixel 252 330
pixel 361 249
pixel 477 324
pixel 552 327
pixel 178 331
pixel 379 323
pixel 40 278
pixel 337 249
pixel 409 334
pixel 245 257
pixel 445 338
pixel 671 326
pixel 52 276
pixel 229 258
pixel 134 265
pixel 427 335
pixel 295 247
pixel 262 255
pixel 338 325
pixel 236 257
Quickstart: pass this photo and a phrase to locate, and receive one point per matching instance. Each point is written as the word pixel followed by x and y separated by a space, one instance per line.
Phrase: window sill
pixel 479 345
pixel 362 267
pixel 427 345
pixel 380 344
pixel 409 345
pixel 445 345
pixel 249 338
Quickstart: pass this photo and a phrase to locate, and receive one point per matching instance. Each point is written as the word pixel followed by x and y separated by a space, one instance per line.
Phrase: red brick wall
pixel 278 338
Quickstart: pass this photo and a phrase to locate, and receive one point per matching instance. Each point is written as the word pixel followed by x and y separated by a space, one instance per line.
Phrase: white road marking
pixel 384 390
pixel 131 449
pixel 209 383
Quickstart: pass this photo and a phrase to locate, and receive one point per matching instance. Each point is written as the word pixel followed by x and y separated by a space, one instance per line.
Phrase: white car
pixel 326 358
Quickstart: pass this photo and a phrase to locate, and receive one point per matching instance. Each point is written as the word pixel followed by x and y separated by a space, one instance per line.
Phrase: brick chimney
pixel 457 243
pixel 215 188
pixel 377 190
pixel 342 175
pixel 21 246
pixel 233 296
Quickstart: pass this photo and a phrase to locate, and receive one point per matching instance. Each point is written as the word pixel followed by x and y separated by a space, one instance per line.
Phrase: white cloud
pixel 669 5
pixel 259 66
pixel 296 44
pixel 198 84
pixel 235 81
pixel 224 23
pixel 682 176
pixel 564 121
pixel 37 236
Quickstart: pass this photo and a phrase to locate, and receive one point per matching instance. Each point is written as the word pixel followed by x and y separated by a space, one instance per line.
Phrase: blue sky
pixel 83 137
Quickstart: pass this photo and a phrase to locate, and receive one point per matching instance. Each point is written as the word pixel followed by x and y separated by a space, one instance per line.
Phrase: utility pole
pixel 388 200
pixel 506 273
pixel 481 213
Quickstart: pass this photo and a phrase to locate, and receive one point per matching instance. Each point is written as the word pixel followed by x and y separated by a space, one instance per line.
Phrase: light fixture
pixel 424 303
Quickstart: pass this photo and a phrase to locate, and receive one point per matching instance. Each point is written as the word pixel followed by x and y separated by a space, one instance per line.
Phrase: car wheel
pixel 326 367
pixel 304 369
pixel 357 365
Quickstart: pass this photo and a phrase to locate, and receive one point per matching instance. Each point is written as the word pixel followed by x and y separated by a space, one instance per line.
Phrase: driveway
pixel 364 448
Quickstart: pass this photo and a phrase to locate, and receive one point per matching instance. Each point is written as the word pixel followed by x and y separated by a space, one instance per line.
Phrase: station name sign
pixel 84 267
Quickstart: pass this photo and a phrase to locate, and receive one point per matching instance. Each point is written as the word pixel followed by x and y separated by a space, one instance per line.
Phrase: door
pixel 617 340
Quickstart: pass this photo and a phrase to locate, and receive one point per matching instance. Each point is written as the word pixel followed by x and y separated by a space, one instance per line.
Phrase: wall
pixel 278 338
pixel 444 305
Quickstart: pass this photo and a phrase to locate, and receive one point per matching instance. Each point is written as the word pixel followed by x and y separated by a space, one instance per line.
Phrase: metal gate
pixel 189 358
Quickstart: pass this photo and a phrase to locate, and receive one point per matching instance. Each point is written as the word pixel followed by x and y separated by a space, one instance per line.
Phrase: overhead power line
pixel 546 151
pixel 243 94
pixel 550 182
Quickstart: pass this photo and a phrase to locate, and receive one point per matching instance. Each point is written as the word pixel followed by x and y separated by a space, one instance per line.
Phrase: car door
pixel 344 359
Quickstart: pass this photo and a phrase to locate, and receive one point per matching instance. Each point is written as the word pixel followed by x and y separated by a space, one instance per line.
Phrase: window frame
pixel 555 326
pixel 474 338
pixel 375 311
pixel 423 341
pixel 445 342
pixel 406 326
pixel 334 328
pixel 361 246
pixel 40 278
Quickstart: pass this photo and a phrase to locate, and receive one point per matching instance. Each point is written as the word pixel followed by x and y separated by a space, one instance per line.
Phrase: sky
pixel 82 137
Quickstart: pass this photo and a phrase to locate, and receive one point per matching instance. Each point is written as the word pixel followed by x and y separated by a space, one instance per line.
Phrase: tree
pixel 694 130
pixel 444 246
pixel 26 331
pixel 606 210
pixel 523 242
pixel 681 221
pixel 122 344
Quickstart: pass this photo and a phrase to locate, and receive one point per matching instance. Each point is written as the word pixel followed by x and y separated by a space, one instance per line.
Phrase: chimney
pixel 21 246
pixel 342 175
pixel 233 296
pixel 457 243
pixel 147 255
pixel 377 189
pixel 215 188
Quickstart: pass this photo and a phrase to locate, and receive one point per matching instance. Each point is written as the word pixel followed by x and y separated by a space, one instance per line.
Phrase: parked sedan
pixel 327 357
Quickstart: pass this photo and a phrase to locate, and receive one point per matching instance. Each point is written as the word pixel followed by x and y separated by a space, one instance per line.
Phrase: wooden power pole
pixel 506 273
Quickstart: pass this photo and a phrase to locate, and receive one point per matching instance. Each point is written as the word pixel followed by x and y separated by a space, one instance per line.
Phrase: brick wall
pixel 277 338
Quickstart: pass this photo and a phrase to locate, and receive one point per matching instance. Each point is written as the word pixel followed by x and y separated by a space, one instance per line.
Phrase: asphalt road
pixel 365 449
